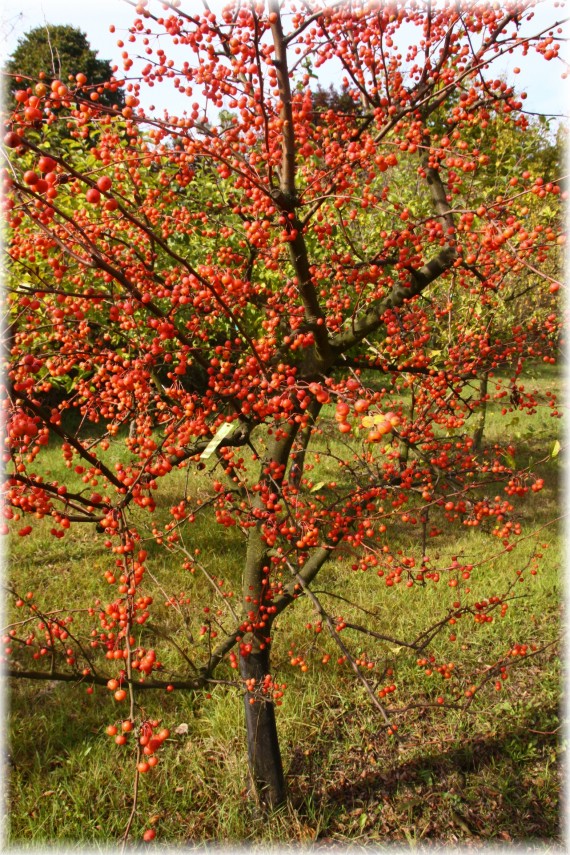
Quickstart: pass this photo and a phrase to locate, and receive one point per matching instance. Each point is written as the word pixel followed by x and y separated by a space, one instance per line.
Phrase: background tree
pixel 59 52
pixel 217 300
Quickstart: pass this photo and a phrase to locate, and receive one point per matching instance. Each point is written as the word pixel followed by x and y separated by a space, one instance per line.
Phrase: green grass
pixel 486 774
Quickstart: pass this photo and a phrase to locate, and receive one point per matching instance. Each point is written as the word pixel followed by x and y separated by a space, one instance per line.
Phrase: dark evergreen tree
pixel 59 52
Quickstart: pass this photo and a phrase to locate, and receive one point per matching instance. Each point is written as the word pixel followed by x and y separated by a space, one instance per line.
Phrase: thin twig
pixel 342 646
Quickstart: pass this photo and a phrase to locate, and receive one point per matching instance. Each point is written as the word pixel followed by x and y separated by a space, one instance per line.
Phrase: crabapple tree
pixel 272 311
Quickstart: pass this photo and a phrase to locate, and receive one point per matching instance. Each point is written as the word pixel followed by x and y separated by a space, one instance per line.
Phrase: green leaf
pixel 317 487
pixel 555 449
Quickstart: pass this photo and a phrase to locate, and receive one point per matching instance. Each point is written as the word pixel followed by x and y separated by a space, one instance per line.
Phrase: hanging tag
pixel 223 430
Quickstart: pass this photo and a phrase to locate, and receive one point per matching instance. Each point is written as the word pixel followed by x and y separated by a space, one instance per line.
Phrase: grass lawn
pixel 488 773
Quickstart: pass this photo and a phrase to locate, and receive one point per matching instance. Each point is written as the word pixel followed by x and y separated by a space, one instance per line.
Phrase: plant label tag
pixel 220 434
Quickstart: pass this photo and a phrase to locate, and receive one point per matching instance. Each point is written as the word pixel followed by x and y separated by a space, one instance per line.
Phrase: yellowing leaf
pixel 376 419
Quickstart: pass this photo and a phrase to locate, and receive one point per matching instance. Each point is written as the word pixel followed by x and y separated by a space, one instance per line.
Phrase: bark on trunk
pixel 298 456
pixel 480 429
pixel 263 750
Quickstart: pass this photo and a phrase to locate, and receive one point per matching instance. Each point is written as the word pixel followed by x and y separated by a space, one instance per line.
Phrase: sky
pixel 546 91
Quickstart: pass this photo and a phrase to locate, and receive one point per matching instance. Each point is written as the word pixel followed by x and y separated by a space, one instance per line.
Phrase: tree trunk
pixel 263 750
pixel 298 456
pixel 479 430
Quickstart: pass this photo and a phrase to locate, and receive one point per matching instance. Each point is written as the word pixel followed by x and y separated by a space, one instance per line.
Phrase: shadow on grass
pixel 494 787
